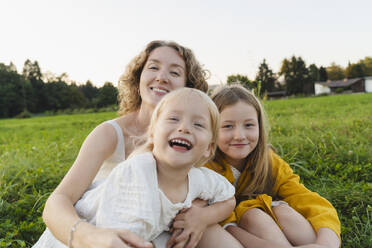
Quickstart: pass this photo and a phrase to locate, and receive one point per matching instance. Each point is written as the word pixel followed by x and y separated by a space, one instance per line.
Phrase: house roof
pixel 340 83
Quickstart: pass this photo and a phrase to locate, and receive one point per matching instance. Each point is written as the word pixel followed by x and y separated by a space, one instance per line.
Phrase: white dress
pixel 131 199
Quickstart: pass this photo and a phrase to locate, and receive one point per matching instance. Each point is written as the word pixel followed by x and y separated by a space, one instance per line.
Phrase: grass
pixel 327 141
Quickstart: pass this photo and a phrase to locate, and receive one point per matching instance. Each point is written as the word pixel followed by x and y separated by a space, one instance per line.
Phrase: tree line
pixel 35 92
pixel 294 77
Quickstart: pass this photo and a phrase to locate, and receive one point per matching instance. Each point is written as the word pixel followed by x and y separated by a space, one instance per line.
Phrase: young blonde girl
pixel 144 193
pixel 273 208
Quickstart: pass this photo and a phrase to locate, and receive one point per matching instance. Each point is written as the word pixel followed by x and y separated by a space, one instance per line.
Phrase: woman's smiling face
pixel 164 71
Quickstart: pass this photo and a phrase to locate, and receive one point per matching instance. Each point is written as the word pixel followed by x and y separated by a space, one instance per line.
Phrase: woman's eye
pixel 173 118
pixel 174 73
pixel 153 67
pixel 227 126
pixel 248 125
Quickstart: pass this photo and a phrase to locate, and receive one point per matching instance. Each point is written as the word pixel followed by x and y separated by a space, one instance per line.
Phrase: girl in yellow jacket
pixel 272 205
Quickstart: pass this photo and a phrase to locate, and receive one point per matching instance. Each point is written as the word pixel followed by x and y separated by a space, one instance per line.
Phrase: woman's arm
pixel 59 213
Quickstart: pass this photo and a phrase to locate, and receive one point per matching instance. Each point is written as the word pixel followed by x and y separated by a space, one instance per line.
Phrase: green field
pixel 327 140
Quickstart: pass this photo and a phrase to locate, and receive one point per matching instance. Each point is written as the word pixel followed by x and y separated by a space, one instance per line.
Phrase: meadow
pixel 327 141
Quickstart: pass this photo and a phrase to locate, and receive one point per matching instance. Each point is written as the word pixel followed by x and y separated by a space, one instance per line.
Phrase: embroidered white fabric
pixel 131 199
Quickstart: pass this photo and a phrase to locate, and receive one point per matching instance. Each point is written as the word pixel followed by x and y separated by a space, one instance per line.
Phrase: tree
pixel 32 73
pixel 107 95
pixel 267 78
pixel 335 72
pixel 296 76
pixel 58 95
pixel 240 79
pixel 366 65
pixel 77 98
pixel 90 92
pixel 323 74
pixel 13 88
pixel 49 77
pixel 354 71
pixel 314 73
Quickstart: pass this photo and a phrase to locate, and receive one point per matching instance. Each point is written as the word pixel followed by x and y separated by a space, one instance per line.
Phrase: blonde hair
pixel 128 86
pixel 178 94
pixel 258 160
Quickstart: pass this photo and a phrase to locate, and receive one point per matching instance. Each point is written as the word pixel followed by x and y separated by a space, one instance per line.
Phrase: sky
pixel 94 40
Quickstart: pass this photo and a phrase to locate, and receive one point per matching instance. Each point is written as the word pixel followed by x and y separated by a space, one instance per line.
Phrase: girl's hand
pixel 190 221
pixel 94 237
pixel 172 243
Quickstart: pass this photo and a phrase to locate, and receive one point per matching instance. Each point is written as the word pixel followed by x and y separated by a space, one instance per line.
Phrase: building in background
pixel 352 85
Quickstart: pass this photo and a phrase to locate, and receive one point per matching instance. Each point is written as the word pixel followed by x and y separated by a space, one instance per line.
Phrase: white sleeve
pixel 215 188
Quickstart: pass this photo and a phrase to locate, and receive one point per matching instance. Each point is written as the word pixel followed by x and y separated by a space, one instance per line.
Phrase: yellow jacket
pixel 316 209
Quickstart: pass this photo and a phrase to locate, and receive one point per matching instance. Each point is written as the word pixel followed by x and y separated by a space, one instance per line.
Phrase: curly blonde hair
pixel 128 86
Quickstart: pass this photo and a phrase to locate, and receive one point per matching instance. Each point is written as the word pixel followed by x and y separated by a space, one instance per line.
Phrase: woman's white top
pixel 131 199
pixel 116 157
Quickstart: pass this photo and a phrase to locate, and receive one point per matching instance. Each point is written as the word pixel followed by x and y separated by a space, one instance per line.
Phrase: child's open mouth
pixel 180 144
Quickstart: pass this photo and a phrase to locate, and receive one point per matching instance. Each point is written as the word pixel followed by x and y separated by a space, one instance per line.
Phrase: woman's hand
pixel 89 236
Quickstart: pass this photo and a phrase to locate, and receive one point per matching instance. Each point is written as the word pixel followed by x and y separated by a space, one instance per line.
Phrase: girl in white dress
pixel 162 177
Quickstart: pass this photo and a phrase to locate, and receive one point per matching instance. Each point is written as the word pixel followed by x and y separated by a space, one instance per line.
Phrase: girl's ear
pixel 209 150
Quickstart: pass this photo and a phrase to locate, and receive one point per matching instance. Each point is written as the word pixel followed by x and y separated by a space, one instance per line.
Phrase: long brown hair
pixel 129 97
pixel 258 160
